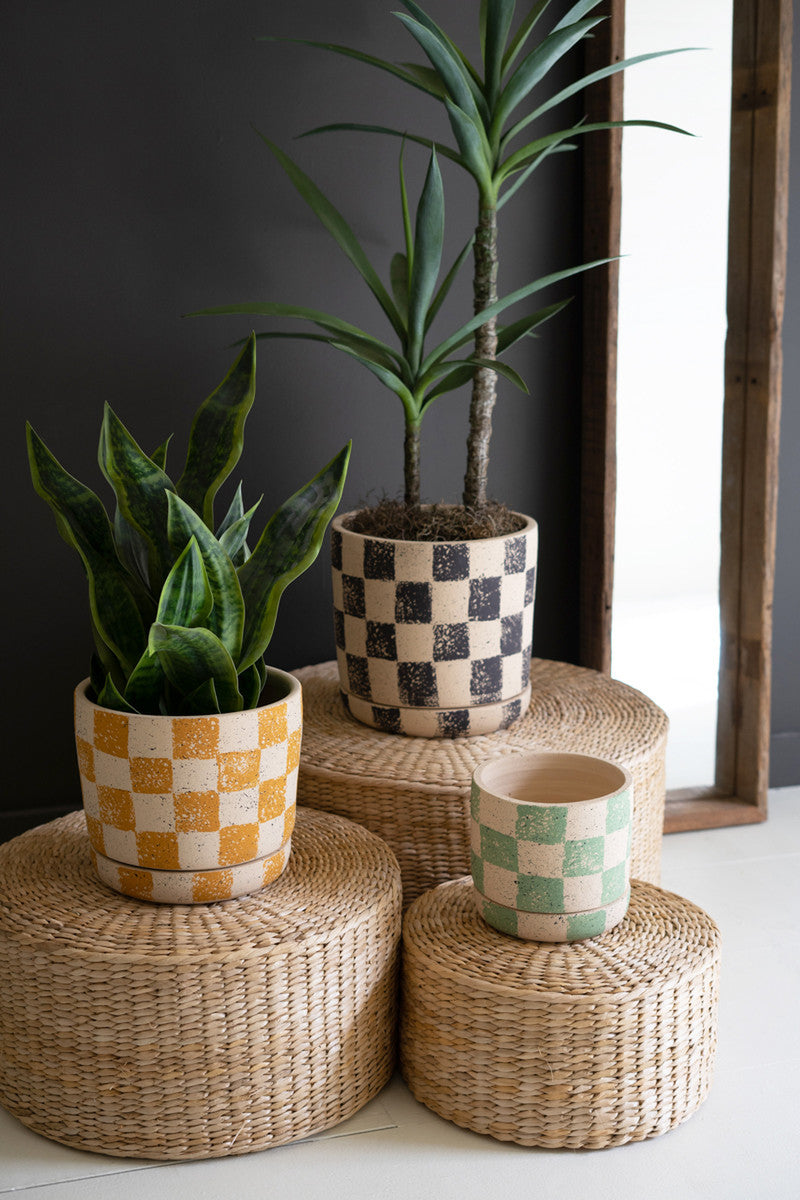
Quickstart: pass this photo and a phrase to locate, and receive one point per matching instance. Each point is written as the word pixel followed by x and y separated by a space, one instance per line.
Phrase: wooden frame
pixel 759 168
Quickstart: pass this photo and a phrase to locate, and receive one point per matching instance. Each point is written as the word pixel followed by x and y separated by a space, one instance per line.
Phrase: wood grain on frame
pixel 759 172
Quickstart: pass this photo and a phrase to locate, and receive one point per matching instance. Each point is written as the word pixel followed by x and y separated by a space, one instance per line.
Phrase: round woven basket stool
pixel 414 792
pixel 588 1045
pixel 180 1032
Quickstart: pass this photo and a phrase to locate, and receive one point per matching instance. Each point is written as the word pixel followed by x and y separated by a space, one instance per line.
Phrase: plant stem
pixel 411 463
pixel 484 383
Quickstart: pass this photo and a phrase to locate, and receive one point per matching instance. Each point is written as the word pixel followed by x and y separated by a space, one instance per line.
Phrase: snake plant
pixel 412 300
pixel 182 613
pixel 488 106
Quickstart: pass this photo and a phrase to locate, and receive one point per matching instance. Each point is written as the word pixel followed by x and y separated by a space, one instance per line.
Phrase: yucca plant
pixel 489 107
pixel 410 303
pixel 182 614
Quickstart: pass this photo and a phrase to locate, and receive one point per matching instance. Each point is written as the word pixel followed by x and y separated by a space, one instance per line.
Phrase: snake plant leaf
pixel 97 674
pixel 289 544
pixel 191 657
pixel 450 66
pixel 428 240
pixel 250 686
pixel 234 513
pixel 261 667
pixel 186 597
pixel 107 662
pixel 339 230
pixel 233 539
pixel 398 277
pixel 203 701
pixel 226 618
pixel 146 684
pixel 80 514
pixel 535 66
pixel 159 455
pixel 524 31
pixel 141 489
pixel 393 68
pixel 217 435
pixel 496 16
pixel 131 547
pixel 110 697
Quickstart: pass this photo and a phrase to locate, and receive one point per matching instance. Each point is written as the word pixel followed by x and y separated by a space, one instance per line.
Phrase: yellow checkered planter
pixel 551 845
pixel 191 809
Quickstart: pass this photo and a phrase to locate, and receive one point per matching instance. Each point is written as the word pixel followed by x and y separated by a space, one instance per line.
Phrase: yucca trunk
pixel 411 471
pixel 484 383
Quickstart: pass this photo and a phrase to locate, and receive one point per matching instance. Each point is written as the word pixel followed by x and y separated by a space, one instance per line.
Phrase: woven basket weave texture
pixel 589 1045
pixel 181 1032
pixel 414 792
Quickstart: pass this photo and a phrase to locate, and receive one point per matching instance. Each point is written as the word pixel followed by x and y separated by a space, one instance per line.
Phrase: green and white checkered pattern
pixel 559 858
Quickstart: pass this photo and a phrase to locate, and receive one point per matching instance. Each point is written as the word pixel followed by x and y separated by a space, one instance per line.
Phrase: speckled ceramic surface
pixel 552 927
pixel 439 626
pixel 551 834
pixel 190 794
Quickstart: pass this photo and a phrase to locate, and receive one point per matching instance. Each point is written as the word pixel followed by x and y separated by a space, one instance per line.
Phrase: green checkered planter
pixel 551 845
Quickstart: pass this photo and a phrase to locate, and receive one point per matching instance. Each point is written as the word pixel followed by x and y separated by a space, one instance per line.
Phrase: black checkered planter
pixel 433 639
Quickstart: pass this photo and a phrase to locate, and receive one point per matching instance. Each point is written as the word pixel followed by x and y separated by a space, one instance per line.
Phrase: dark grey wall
pixel 134 190
pixel 785 741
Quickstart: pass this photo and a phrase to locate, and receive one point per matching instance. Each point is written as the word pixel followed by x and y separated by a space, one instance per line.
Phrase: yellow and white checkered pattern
pixel 189 793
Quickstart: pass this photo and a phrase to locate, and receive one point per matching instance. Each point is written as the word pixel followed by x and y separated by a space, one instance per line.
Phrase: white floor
pixel 743 1144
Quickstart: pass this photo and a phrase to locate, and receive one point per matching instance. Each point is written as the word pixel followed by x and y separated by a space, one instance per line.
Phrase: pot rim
pixel 340 527
pixel 293 685
pixel 562 757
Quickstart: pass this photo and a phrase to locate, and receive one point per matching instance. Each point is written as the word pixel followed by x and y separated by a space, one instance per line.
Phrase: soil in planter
pixel 435 522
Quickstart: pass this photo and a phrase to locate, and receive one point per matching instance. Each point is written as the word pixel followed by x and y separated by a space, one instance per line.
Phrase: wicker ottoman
pixel 179 1032
pixel 583 1046
pixel 414 792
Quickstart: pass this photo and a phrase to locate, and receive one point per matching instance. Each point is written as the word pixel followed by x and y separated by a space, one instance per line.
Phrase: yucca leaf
pixel 428 239
pixel 322 319
pixel 226 618
pixel 233 539
pixel 250 686
pixel 289 544
pixel 450 66
pixel 350 126
pixel 472 76
pixel 509 335
pixel 369 59
pixel 388 378
pixel 554 148
pixel 202 701
pixel 141 489
pixel 146 684
pixel 534 67
pixel 498 17
pixel 447 283
pixel 576 13
pixel 110 697
pixel 448 383
pixel 192 657
pixel 398 277
pixel 461 371
pixel 429 80
pixel 186 595
pixel 217 435
pixel 523 33
pixel 407 234
pixel 527 154
pixel 490 363
pixel 586 81
pixel 494 310
pixel 476 156
pixel 159 455
pixel 360 348
pixel 81 517
pixel 339 230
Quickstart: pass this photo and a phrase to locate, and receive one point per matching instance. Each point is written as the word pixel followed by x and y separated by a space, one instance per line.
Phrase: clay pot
pixel 550 845
pixel 185 810
pixel 433 639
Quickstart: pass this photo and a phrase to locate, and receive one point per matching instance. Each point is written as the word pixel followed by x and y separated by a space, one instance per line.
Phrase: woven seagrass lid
pixel 663 939
pixel 571 708
pixel 353 873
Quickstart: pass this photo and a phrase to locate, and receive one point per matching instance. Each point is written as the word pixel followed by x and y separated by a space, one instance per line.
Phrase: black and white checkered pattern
pixel 433 625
